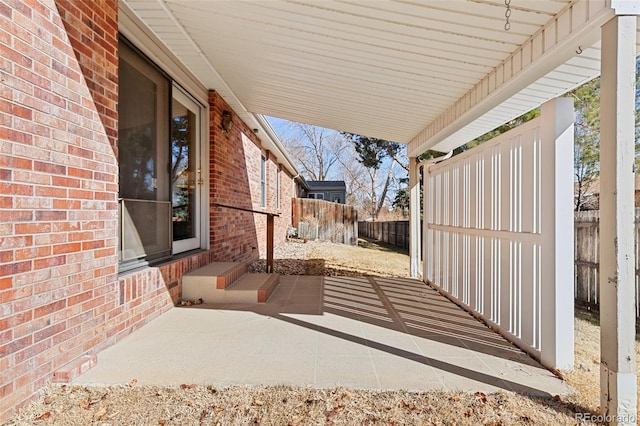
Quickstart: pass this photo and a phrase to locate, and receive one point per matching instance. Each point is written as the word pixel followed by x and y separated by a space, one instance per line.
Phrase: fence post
pixel 618 387
pixel 556 206
pixel 270 223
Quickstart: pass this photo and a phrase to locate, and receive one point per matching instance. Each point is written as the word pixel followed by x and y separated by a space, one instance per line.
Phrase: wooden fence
pixel 587 285
pixel 318 219
pixel 395 233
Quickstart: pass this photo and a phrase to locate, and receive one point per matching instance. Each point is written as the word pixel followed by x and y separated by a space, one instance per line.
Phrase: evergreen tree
pixel 401 200
pixel 372 153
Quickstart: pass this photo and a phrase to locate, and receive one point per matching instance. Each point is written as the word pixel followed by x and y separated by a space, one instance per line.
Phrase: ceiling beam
pixel 577 25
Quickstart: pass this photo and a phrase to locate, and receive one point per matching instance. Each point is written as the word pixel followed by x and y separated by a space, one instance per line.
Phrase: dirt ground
pixel 299 257
pixel 187 404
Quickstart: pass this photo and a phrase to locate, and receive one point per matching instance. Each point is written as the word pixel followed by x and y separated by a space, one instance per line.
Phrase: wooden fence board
pixel 586 260
pixel 325 220
pixel 395 233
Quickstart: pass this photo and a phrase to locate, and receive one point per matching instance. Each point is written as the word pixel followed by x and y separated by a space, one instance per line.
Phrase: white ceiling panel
pixel 412 71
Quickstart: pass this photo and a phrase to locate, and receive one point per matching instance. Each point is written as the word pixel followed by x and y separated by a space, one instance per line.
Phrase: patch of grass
pixel 369 243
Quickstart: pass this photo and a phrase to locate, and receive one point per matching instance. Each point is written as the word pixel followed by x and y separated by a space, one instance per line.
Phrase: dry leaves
pixel 281 405
pixel 43 416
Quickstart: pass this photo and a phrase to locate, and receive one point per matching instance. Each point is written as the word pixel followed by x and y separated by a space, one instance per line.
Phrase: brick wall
pixel 60 294
pixel 90 27
pixel 235 181
pixel 58 173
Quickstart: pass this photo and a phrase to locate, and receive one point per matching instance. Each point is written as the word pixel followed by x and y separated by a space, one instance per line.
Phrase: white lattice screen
pixel 486 243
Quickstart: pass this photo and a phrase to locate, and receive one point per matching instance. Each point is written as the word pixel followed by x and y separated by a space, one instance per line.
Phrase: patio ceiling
pixel 430 74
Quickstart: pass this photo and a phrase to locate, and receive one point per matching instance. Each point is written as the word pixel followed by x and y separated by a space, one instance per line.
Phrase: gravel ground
pixel 368 258
pixel 278 405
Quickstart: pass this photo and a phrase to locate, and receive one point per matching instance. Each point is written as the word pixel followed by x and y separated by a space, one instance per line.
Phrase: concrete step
pixel 223 283
pixel 218 274
pixel 250 288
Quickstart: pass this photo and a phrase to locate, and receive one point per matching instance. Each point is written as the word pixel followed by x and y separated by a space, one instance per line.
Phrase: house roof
pixel 326 185
pixel 594 188
pixel 430 74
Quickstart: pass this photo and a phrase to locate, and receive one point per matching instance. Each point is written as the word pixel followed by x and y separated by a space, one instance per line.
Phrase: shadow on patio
pixel 373 333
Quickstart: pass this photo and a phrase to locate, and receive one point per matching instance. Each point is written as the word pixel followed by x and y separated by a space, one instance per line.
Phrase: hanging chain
pixel 507 14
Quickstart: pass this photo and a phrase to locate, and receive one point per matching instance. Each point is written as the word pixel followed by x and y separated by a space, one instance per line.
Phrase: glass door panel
pixel 185 172
pixel 143 138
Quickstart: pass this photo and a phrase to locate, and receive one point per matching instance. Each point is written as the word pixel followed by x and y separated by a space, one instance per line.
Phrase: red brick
pixel 12 321
pixel 104 177
pixel 80 152
pixel 41 311
pixel 6 256
pixel 14 268
pixel 15 242
pixel 32 252
pixel 79 298
pixel 90 245
pixel 48 191
pixel 74 369
pixel 80 173
pixel 66 335
pixel 16 110
pixel 15 135
pixel 48 262
pixel 32 228
pixel 6 283
pixel 15 215
pixel 15 345
pixel 15 189
pixel 6 10
pixel 48 332
pixel 67 248
pixel 50 215
pixel 104 252
pixel 66 204
pixel 65 182
pixel 80 194
pixel 57 169
pixel 47 98
pixel 32 350
pixel 7 388
pixel 16 162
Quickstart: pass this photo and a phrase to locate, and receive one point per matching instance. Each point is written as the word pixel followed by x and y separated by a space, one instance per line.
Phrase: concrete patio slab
pixel 368 333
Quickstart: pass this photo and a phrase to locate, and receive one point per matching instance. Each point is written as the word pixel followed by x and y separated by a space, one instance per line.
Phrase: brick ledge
pixel 74 369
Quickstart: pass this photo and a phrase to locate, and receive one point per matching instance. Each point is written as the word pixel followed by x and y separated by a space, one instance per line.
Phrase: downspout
pixel 436 160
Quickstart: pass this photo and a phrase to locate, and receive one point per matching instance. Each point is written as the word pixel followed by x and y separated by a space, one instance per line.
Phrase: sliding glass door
pixel 159 140
pixel 186 178
pixel 143 152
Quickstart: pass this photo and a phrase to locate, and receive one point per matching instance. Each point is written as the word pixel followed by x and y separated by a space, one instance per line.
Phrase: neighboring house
pixel 328 190
pixel 120 171
pixel 591 199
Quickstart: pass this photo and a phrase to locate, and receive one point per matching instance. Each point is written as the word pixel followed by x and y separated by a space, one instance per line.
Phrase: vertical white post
pixel 618 394
pixel 427 242
pixel 556 210
pixel 414 217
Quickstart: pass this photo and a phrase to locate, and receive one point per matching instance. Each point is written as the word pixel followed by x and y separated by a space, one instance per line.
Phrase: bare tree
pixel 354 175
pixel 368 166
pixel 316 150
